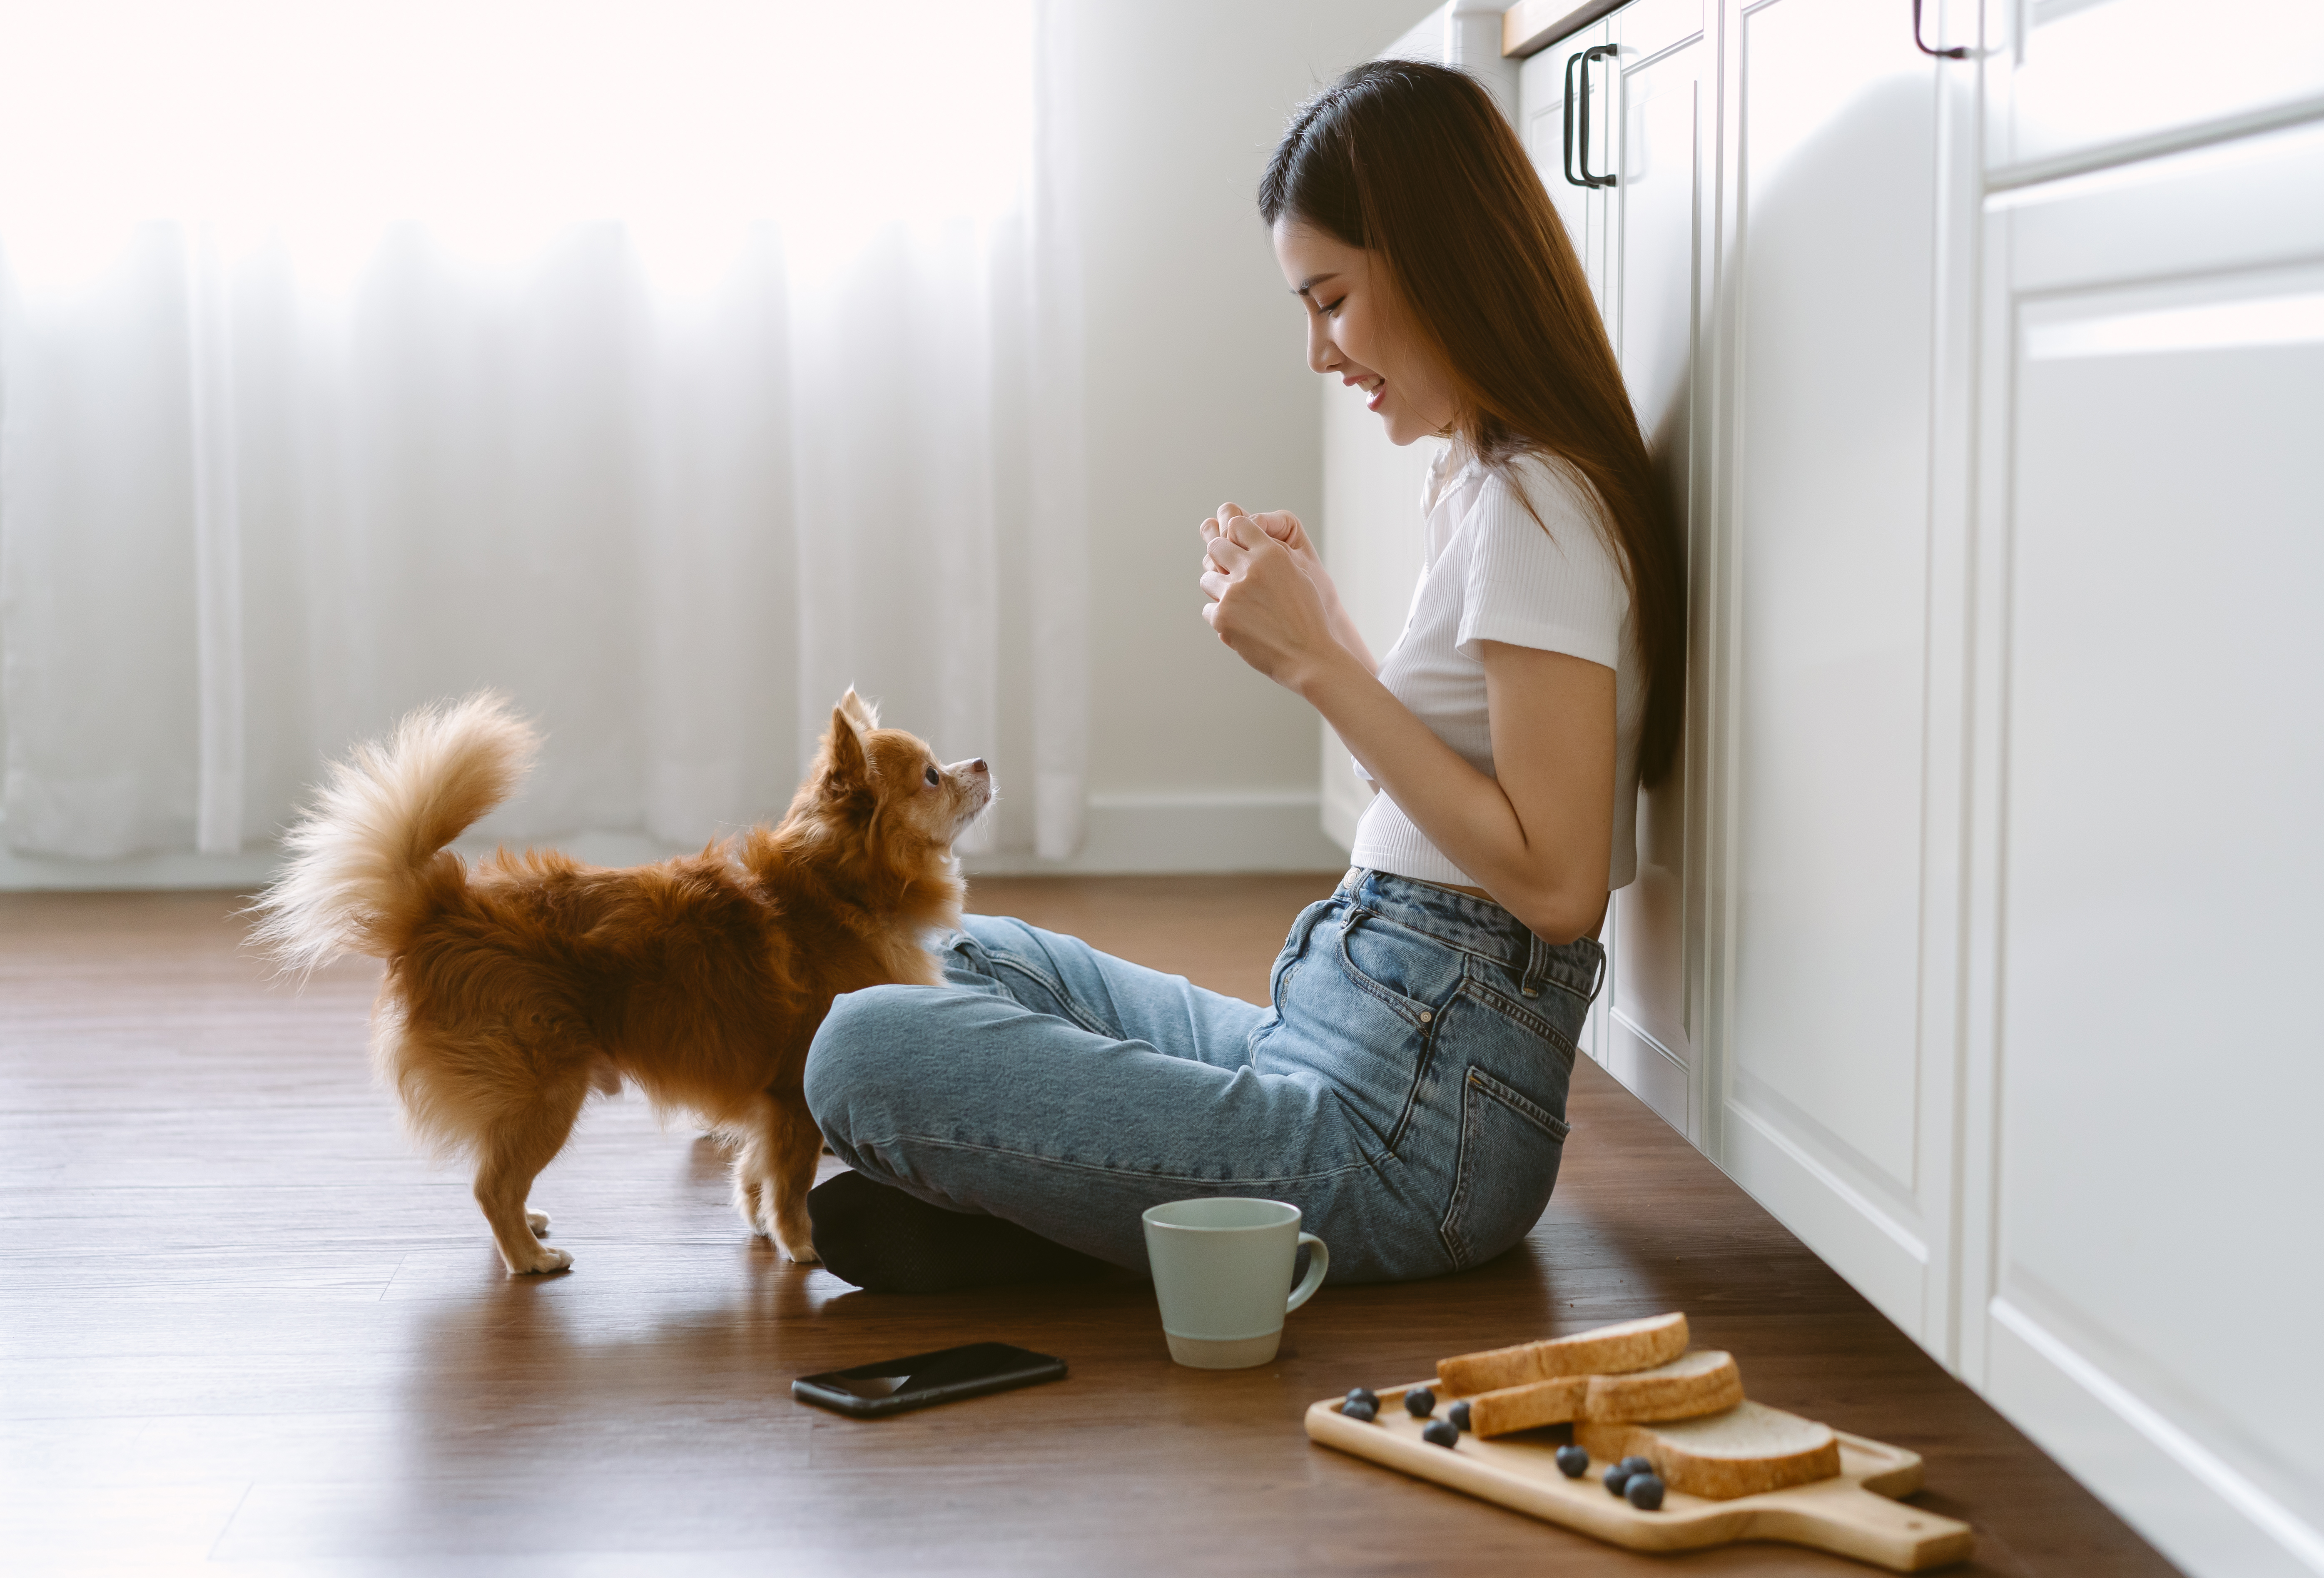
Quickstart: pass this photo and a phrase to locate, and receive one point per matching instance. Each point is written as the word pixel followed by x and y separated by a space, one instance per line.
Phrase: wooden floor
pixel 243 1327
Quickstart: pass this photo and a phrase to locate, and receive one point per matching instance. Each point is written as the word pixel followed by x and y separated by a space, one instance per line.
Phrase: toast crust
pixel 1705 1381
pixel 1614 1350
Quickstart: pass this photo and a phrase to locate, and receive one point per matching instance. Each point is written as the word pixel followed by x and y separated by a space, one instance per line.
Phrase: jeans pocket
pixel 1295 951
pixel 1510 1148
pixel 1400 968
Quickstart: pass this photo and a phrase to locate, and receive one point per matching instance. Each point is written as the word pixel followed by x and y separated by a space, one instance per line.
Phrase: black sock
pixel 885 1241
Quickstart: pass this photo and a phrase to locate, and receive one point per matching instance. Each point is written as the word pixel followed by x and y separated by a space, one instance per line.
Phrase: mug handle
pixel 1319 1260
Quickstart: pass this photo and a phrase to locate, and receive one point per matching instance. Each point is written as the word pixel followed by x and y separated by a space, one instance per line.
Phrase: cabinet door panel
pixel 1655 240
pixel 2159 855
pixel 1645 28
pixel 1830 294
pixel 2091 76
pixel 1541 122
pixel 1653 298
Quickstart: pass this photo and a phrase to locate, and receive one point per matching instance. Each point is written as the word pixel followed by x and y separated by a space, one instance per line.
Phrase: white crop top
pixel 1491 573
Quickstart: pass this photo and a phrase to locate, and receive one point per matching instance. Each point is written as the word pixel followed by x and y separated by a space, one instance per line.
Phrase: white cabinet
pixel 1655 263
pixel 1781 987
pixel 1554 137
pixel 2082 83
pixel 2143 1175
pixel 1973 933
pixel 1648 80
pixel 1838 647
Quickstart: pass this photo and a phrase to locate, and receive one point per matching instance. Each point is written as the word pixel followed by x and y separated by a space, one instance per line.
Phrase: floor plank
pixel 244 1328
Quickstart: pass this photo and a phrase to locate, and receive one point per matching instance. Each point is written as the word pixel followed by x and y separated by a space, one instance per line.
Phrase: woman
pixel 1406 1086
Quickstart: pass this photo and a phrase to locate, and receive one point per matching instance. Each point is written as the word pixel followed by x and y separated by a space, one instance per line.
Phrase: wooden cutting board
pixel 1854 1515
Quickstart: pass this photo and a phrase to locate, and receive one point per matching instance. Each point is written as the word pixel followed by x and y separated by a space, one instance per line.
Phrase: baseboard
pixel 2196 1508
pixel 240 873
pixel 1257 830
pixel 1648 1069
pixel 252 869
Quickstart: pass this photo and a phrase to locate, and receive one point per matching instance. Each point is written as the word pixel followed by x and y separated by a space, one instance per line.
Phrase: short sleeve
pixel 1553 584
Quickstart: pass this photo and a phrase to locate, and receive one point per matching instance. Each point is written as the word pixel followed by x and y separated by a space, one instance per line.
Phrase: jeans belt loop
pixel 1536 968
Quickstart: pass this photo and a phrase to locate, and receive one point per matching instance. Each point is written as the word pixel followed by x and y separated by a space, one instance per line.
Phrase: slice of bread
pixel 1692 1384
pixel 1528 1406
pixel 1613 1350
pixel 1705 1381
pixel 1746 1449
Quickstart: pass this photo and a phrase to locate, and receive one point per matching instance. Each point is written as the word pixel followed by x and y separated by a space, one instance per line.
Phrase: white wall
pixel 1198 392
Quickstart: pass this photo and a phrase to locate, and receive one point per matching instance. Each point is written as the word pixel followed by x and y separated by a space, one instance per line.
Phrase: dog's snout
pixel 977 766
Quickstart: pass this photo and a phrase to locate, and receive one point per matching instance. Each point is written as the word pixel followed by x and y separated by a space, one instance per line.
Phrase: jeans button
pixel 1425 1016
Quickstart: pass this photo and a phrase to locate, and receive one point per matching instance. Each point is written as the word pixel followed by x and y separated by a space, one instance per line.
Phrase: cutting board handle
pixel 1853 1522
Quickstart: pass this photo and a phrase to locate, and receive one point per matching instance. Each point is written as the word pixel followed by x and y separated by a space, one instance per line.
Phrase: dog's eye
pixel 933 778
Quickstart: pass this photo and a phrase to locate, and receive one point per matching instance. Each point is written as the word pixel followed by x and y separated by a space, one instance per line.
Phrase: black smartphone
pixel 871 1390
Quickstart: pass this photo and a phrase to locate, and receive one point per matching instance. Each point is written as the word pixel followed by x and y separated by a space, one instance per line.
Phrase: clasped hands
pixel 1271 600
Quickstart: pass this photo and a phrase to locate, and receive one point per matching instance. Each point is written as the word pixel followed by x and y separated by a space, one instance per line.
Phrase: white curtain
pixel 792 405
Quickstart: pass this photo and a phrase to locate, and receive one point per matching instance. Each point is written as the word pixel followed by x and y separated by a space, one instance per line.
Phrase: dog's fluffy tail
pixel 358 879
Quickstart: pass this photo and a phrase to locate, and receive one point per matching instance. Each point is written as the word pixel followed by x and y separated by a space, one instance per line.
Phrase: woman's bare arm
pixel 1536 838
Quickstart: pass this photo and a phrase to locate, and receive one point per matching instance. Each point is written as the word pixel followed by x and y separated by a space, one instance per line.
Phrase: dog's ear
pixel 858 711
pixel 849 766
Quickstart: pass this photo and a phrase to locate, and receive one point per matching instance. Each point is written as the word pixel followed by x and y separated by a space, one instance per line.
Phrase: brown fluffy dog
pixel 517 986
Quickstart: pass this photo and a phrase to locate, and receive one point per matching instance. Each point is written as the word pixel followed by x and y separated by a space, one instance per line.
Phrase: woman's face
pixel 1357 328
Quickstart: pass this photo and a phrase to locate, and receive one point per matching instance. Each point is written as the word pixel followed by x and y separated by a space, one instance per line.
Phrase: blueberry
pixel 1420 1402
pixel 1637 1465
pixel 1645 1492
pixel 1573 1461
pixel 1442 1433
pixel 1361 1413
pixel 1617 1478
pixel 1459 1414
pixel 1365 1396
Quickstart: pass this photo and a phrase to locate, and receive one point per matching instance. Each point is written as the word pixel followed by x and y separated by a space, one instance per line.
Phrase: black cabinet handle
pixel 1595 53
pixel 1572 64
pixel 1958 52
pixel 1577 169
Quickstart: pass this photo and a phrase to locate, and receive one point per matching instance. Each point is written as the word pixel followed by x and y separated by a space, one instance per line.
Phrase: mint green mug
pixel 1221 1266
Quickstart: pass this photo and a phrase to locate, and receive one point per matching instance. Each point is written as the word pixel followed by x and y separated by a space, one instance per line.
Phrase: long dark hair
pixel 1415 165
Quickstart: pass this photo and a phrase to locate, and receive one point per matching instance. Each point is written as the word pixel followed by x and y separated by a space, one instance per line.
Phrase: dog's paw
pixel 544 1259
pixel 536 1220
pixel 800 1253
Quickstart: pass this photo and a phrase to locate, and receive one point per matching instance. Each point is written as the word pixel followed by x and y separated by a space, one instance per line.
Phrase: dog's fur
pixel 517 986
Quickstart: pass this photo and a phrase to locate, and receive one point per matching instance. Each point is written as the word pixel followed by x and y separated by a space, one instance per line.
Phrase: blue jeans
pixel 1405 1089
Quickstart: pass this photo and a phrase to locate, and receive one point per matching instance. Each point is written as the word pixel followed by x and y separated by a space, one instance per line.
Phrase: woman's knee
pixel 1003 934
pixel 863 1050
